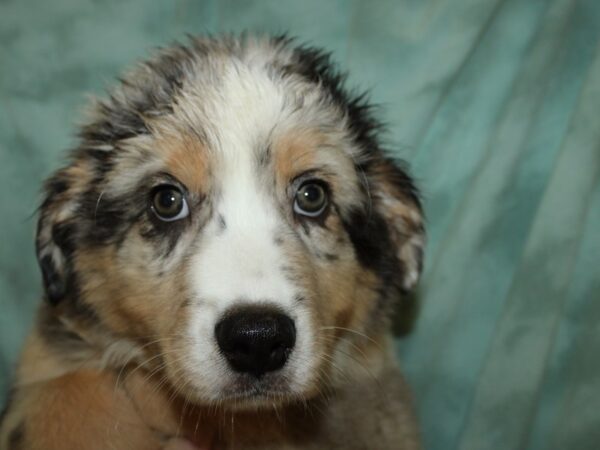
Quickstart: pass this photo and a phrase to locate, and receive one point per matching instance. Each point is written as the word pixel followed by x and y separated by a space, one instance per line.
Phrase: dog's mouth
pixel 240 391
pixel 251 391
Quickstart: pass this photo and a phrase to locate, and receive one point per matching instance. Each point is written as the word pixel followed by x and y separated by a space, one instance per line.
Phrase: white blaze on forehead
pixel 238 111
pixel 242 263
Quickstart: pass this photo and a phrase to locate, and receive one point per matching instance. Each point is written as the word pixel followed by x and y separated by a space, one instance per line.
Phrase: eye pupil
pixel 168 202
pixel 311 194
pixel 166 199
pixel 311 199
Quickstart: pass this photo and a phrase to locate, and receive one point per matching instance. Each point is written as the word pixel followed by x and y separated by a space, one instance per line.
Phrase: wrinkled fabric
pixel 495 104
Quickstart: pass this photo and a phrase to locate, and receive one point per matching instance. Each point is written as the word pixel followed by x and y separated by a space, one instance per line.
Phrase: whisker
pixel 356 332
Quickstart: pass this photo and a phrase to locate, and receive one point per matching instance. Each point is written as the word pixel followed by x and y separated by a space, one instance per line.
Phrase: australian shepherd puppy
pixel 221 256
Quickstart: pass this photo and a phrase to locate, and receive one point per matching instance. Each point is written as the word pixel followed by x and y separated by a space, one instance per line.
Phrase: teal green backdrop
pixel 496 106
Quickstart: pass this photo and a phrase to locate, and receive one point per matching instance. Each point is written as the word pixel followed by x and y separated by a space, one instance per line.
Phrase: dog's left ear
pixel 55 236
pixel 396 199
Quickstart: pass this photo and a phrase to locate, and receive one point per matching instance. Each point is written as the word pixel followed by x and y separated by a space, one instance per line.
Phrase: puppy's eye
pixel 311 199
pixel 169 204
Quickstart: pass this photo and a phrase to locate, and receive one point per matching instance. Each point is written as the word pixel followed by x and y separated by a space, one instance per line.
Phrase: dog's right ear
pixel 55 236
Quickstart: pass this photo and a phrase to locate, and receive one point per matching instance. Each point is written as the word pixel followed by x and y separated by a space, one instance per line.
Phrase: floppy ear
pixel 395 198
pixel 55 237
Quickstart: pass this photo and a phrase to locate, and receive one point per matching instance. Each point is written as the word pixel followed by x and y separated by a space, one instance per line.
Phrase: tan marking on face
pixel 350 296
pixel 342 293
pixel 295 152
pixel 187 160
pixel 349 293
pixel 298 151
pixel 129 298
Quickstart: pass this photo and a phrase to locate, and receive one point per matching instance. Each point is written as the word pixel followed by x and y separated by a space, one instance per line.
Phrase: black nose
pixel 256 341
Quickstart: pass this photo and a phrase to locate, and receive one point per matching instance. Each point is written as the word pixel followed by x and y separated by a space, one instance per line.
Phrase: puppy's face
pixel 229 214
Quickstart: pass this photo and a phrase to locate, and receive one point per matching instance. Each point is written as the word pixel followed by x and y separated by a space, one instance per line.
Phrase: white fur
pixel 242 265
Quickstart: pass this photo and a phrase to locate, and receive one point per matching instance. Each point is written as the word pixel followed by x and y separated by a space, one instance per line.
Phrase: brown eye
pixel 311 199
pixel 169 204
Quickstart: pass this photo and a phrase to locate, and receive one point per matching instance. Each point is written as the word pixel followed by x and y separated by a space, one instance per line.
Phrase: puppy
pixel 221 257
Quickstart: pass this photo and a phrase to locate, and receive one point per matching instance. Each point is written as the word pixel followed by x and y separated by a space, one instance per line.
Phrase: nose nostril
pixel 276 347
pixel 256 340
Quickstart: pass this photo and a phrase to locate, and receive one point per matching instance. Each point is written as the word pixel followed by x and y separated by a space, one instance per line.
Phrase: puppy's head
pixel 230 214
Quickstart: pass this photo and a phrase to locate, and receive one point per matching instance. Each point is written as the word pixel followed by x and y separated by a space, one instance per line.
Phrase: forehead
pixel 236 119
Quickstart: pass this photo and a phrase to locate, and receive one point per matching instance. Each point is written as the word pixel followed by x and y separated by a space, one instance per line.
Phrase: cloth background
pixel 496 106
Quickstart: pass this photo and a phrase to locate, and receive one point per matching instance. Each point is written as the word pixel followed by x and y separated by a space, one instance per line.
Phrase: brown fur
pixel 187 162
